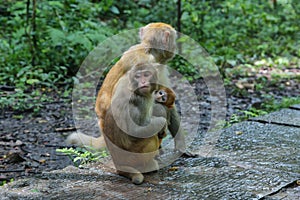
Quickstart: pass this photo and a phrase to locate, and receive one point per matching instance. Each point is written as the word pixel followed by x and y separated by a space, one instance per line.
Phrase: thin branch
pixel 34 38
pixel 179 13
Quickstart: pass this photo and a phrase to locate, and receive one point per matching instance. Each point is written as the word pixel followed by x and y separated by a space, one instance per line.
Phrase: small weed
pixel 273 105
pixel 2 183
pixel 234 119
pixel 270 105
pixel 35 190
pixel 82 156
pixel 253 112
pixel 17 116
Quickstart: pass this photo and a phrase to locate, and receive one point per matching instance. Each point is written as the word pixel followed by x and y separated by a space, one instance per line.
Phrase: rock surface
pixel 257 159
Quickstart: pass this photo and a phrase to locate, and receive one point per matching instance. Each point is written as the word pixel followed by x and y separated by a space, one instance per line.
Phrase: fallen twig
pixel 65 129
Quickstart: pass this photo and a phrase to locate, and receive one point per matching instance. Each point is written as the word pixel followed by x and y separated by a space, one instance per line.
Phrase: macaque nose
pixel 143 80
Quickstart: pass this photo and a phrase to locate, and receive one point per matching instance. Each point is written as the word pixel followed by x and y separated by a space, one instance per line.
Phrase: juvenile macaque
pixel 130 130
pixel 158 43
pixel 165 96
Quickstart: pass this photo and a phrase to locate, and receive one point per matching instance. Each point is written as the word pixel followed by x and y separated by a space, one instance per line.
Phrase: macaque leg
pixel 159 142
pixel 161 135
pixel 131 173
pixel 176 130
pixel 151 166
pixel 178 133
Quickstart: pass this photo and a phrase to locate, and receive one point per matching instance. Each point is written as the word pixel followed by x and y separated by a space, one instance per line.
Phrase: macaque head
pixel 165 96
pixel 161 96
pixel 161 39
pixel 143 79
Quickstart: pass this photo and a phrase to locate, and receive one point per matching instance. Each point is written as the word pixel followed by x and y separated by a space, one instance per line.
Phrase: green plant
pixel 234 118
pixel 5 182
pixel 35 190
pixel 238 31
pixel 81 156
pixel 272 105
pixel 253 112
pixel 44 43
pixel 185 68
pixel 22 100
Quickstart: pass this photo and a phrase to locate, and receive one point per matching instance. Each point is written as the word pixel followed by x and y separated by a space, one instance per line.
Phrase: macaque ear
pixel 141 32
pixel 166 38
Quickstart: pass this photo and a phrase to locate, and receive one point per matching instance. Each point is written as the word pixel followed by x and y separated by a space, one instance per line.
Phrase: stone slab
pixel 249 160
pixel 270 152
pixel 285 117
pixel 295 107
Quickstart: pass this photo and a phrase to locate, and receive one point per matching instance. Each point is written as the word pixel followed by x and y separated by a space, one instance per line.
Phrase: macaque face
pixel 161 96
pixel 143 81
pixel 161 38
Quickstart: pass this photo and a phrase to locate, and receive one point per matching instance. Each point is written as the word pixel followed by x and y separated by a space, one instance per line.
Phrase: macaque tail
pixel 82 140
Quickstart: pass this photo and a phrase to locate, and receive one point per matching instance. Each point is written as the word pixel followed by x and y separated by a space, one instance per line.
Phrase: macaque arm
pixel 130 127
pixel 123 118
pixel 156 125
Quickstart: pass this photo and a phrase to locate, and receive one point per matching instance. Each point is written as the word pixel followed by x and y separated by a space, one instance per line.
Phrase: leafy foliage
pixel 43 43
pixel 2 183
pixel 273 105
pixel 43 46
pixel 240 31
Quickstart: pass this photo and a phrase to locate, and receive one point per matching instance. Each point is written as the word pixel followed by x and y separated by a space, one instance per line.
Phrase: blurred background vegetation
pixel 43 43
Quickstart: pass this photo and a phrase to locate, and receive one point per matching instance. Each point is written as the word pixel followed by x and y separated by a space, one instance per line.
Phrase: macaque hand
pixel 159 123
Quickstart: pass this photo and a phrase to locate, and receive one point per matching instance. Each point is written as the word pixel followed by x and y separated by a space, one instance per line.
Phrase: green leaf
pixel 32 81
pixel 114 10
pixel 57 4
pixel 56 35
pixel 77 159
pixel 183 39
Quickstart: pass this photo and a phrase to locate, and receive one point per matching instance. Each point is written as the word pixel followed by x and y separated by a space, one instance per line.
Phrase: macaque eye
pixel 137 76
pixel 160 92
pixel 147 74
pixel 163 98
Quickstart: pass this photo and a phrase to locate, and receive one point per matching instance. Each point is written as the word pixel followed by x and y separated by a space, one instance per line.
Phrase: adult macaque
pixel 130 130
pixel 158 43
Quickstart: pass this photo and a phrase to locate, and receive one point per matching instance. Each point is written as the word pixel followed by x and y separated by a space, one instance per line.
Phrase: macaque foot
pixel 131 173
pixel 137 178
